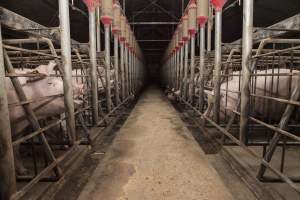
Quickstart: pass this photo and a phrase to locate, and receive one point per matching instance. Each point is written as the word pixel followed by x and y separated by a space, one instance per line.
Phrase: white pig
pixel 34 89
pixel 263 87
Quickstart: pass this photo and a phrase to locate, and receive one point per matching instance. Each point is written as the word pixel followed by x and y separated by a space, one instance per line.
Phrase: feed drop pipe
pixel 185 39
pixel 202 18
pixel 246 65
pixel 123 92
pixel 106 18
pixel 64 19
pixel 116 32
pixel 192 11
pixel 218 5
pixel 93 69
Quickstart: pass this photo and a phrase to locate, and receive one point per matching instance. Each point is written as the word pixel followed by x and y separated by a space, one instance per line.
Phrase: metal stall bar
pixel 246 68
pixel 30 114
pixel 7 167
pixel 64 19
pixel 93 69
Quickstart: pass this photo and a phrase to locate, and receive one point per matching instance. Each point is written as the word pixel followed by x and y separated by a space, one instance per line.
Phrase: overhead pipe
pixel 218 5
pixel 106 18
pixel 7 166
pixel 246 66
pixel 202 18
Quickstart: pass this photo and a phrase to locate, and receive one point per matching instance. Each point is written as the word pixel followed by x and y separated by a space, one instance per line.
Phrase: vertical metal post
pixel 172 71
pixel 124 7
pixel 127 71
pixel 185 84
pixel 192 71
pixel 130 71
pixel 178 69
pixel 64 19
pixel 98 29
pixel 135 73
pixel 107 68
pixel 93 70
pixel 116 65
pixel 209 25
pixel 7 167
pixel 246 65
pixel 218 64
pixel 202 69
pixel 181 70
pixel 123 90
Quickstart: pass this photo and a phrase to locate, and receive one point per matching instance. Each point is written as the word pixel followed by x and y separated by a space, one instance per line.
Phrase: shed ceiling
pixel 45 12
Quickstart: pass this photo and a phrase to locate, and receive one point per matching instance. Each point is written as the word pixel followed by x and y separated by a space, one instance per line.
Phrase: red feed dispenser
pixel 92 4
pixel 218 4
pixel 202 12
pixel 192 15
pixel 107 12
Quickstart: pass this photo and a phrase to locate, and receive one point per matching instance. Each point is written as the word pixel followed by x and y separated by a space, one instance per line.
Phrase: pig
pixel 265 86
pixel 33 89
pixel 100 76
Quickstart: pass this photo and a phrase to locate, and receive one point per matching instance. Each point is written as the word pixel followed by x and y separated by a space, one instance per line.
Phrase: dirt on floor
pixel 155 157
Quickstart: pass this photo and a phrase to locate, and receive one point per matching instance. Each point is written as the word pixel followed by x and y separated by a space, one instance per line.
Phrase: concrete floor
pixel 155 157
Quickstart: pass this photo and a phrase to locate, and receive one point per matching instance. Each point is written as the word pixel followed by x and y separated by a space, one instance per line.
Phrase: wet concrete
pixel 154 157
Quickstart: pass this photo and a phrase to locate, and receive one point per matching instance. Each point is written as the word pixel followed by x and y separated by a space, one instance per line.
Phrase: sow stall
pixel 248 91
pixel 92 86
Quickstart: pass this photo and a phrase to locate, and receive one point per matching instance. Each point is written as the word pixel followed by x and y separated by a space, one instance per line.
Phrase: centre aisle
pixel 155 157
